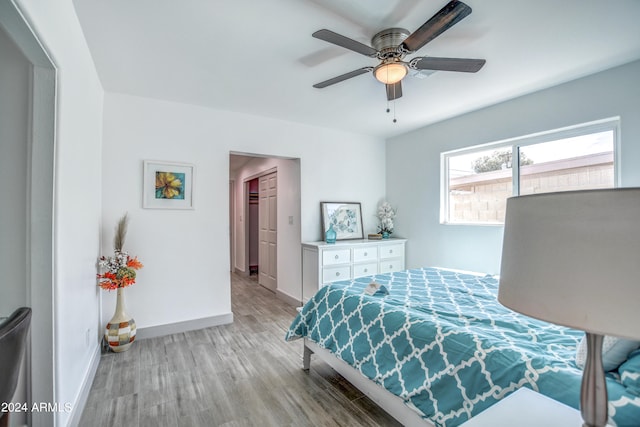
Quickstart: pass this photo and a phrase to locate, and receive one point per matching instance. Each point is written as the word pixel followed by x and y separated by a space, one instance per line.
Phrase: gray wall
pixel 15 70
pixel 413 160
pixel 14 110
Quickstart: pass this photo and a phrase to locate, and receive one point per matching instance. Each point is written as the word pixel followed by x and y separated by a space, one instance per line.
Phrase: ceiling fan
pixel 390 46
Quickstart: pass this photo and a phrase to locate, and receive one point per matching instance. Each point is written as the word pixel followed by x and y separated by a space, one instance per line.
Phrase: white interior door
pixel 268 220
pixel 232 225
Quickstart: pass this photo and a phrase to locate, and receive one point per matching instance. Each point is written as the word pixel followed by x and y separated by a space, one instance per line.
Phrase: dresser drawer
pixel 392 251
pixel 391 264
pixel 360 270
pixel 336 256
pixel 331 274
pixel 365 254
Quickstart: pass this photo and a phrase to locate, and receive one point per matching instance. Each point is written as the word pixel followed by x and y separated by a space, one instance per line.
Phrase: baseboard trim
pixel 83 396
pixel 243 273
pixel 186 326
pixel 288 298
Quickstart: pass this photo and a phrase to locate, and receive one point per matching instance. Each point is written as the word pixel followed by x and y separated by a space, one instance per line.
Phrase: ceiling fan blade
pixel 342 77
pixel 447 17
pixel 464 65
pixel 346 42
pixel 394 91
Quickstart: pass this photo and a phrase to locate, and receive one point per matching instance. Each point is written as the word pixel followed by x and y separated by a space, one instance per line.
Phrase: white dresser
pixel 347 259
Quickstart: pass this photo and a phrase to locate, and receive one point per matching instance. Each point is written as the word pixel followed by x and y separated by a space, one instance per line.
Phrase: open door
pixel 27 141
pixel 268 234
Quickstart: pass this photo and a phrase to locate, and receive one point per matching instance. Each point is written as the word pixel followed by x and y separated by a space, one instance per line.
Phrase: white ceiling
pixel 258 57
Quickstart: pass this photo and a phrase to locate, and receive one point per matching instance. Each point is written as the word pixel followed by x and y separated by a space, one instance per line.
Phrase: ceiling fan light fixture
pixel 390 73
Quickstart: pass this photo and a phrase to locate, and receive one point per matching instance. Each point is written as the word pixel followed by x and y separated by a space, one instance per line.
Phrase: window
pixel 478 180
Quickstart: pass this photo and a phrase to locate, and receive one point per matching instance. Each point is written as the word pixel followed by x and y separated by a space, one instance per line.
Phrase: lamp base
pixel 593 392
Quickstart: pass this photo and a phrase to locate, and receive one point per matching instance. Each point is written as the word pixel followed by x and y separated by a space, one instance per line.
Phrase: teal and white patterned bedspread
pixel 441 341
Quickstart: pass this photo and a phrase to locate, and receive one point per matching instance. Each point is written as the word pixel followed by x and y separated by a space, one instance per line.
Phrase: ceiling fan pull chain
pixel 394 106
pixel 394 111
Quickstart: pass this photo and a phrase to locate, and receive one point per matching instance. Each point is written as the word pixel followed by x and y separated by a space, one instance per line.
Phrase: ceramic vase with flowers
pixel 119 272
pixel 386 214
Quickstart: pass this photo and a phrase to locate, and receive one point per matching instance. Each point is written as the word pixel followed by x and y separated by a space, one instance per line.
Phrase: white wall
pixel 77 187
pixel 14 119
pixel 413 167
pixel 15 70
pixel 186 253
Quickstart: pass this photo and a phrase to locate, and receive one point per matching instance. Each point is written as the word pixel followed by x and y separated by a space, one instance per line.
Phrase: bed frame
pixel 388 401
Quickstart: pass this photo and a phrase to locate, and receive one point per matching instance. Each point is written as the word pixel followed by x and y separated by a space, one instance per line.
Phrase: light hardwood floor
pixel 243 374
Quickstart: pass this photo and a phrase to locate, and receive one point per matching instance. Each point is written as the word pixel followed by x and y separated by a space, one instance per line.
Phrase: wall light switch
pixel 291 220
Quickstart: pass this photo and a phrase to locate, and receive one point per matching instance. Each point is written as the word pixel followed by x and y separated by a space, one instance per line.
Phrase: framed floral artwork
pixel 167 185
pixel 346 218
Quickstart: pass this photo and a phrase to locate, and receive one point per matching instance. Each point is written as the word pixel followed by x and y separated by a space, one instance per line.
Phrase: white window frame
pixel 609 124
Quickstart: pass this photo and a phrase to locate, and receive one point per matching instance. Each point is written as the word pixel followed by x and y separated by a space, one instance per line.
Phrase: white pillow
pixel 614 352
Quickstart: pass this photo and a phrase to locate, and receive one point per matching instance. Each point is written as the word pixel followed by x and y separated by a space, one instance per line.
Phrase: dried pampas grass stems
pixel 121 232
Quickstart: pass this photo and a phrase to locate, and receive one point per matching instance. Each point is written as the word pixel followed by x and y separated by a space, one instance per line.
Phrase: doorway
pixel 253 217
pixel 29 141
pixel 281 268
pixel 261 228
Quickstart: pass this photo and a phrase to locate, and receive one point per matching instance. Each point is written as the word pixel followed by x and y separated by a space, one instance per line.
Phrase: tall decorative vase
pixel 121 329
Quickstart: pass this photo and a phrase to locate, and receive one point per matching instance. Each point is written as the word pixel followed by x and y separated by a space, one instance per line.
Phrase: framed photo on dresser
pixel 345 217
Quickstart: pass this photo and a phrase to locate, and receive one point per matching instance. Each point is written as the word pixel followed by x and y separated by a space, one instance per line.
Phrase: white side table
pixel 526 408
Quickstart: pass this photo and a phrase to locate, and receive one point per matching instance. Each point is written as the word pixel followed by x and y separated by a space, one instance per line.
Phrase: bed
pixel 439 348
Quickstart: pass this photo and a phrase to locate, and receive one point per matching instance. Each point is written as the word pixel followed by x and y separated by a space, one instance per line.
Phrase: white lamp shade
pixel 390 72
pixel 573 258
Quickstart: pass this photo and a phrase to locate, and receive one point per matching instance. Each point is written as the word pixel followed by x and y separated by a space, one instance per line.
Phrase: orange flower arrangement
pixel 121 271
pixel 121 268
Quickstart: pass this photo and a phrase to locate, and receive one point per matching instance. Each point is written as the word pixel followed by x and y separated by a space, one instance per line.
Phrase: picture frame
pixel 346 218
pixel 177 191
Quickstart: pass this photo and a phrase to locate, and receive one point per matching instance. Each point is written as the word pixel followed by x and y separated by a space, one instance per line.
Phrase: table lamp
pixel 573 259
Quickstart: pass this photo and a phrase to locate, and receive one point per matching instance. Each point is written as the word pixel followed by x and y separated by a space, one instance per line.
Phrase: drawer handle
pixel 390 251
pixel 337 256
pixel 366 269
pixel 390 265
pixel 337 273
